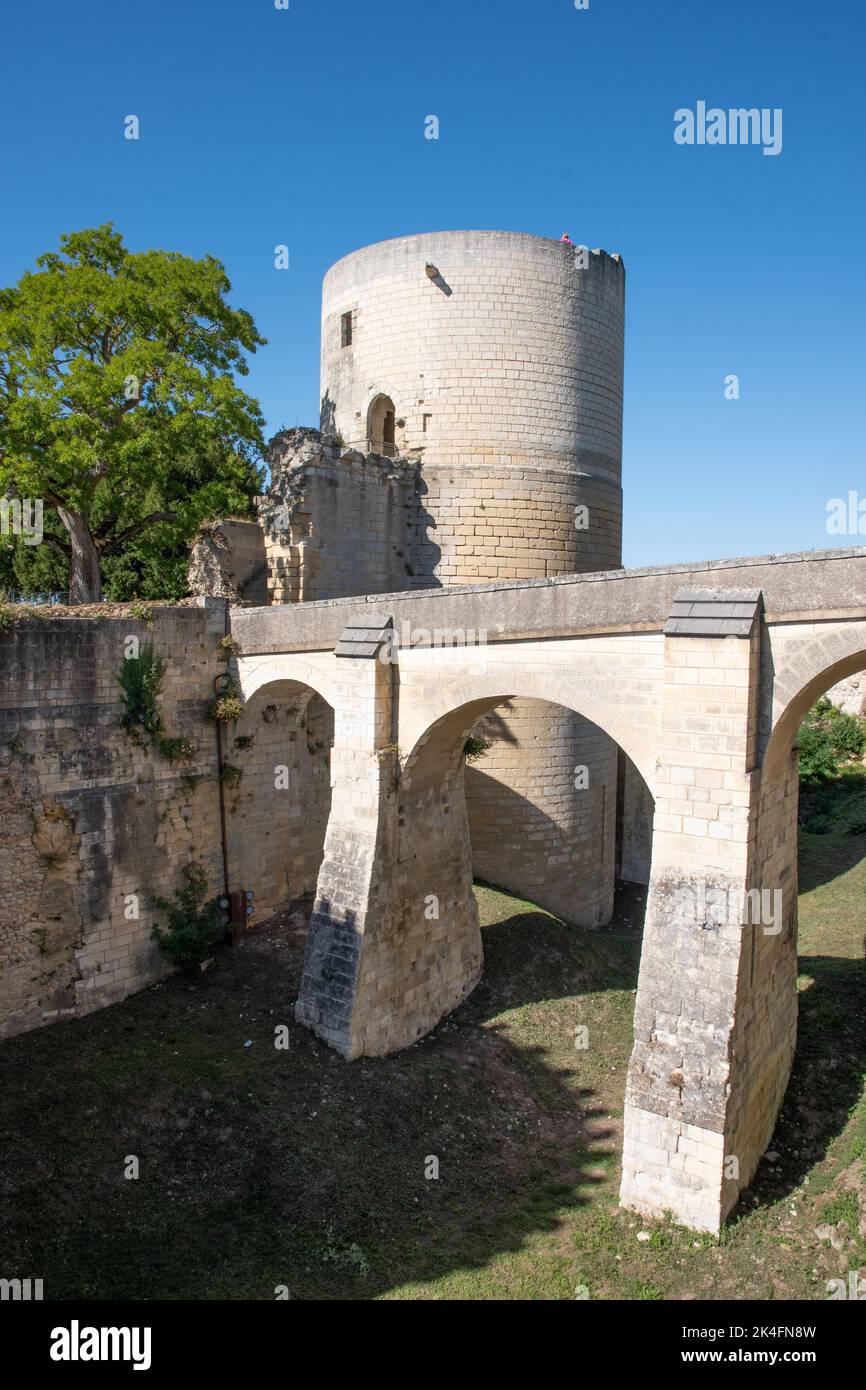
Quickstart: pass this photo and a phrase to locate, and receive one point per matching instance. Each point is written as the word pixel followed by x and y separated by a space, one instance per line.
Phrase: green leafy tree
pixel 120 409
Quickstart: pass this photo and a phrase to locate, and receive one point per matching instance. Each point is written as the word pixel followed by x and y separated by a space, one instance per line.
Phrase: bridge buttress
pixel 687 1149
pixel 394 941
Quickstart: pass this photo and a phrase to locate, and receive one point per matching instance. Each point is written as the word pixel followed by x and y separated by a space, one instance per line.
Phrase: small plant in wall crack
pixel 228 704
pixel 229 647
pixel 391 750
pixel 231 775
pixel 141 612
pixel 177 750
pixel 475 748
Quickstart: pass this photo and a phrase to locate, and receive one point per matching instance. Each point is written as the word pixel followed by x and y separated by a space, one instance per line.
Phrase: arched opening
pixel 555 818
pixel 557 811
pixel 278 800
pixel 460 933
pixel 382 426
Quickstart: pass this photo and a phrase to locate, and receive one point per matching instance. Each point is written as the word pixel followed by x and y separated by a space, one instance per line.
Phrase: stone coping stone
pixel 822 584
pixel 713 613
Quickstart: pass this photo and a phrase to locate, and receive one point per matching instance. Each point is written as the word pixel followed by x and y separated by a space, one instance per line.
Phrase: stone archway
pixel 382 426
pixel 282 747
pixel 395 943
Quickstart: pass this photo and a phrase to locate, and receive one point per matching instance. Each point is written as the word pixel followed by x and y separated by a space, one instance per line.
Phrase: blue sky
pixel 306 127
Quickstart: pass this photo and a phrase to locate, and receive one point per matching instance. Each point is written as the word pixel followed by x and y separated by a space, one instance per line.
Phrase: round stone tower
pixel 496 358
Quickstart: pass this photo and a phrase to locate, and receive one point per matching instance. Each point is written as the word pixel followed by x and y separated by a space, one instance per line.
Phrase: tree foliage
pixel 827 739
pixel 119 407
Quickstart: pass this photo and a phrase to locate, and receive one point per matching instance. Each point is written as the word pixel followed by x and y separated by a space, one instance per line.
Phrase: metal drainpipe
pixel 223 676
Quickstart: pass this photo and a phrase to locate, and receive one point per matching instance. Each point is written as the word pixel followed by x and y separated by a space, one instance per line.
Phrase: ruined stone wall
pixel 228 560
pixel 337 522
pixel 93 821
pixel 850 695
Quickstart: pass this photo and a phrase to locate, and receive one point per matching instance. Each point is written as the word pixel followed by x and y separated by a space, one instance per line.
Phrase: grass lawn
pixel 262 1167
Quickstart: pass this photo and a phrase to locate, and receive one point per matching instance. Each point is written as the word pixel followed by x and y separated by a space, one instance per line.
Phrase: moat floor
pixel 261 1168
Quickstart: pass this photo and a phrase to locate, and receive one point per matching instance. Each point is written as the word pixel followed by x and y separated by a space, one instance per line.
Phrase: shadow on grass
pixel 826 1079
pixel 261 1167
pixel 824 858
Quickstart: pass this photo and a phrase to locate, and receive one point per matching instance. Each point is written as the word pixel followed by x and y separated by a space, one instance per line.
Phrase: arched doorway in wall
pixel 278 805
pixel 382 426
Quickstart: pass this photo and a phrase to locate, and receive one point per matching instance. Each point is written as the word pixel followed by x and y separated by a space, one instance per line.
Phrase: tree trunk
pixel 85 580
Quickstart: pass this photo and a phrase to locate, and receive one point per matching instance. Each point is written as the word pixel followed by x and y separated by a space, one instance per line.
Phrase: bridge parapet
pixel 814 585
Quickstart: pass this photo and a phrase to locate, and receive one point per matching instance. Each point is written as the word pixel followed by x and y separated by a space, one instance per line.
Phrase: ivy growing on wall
pixel 140 680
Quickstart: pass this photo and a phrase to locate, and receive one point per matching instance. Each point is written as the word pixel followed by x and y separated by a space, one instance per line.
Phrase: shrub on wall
pixel 195 923
pixel 475 748
pixel 228 705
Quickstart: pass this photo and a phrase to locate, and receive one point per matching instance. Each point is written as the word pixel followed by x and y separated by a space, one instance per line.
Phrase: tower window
pixel 346 330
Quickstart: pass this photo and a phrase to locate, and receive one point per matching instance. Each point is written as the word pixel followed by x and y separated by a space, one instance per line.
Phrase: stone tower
pixel 496 358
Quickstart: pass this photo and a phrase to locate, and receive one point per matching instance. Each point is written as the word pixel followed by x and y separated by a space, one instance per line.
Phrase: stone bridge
pixel 701 673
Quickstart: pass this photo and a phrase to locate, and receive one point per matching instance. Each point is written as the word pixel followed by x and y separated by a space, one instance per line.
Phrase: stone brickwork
pixel 850 695
pixel 703 707
pixel 634 824
pixel 337 521
pixel 92 819
pixel 228 560
pixel 501 355
pixel 535 829
pixel 509 358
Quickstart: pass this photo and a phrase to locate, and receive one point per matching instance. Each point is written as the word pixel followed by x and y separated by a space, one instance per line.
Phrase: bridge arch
pixel 312 671
pixel 810 673
pixel 432 725
pixel 281 746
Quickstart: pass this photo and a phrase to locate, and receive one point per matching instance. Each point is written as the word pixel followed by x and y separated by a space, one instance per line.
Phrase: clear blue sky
pixel 305 127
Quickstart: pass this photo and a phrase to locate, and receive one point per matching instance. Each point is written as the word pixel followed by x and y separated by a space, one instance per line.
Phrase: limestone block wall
pixel 95 825
pixel 678 1116
pixel 501 356
pixel 765 1034
pixel 489 520
pixel 635 824
pixel 505 374
pixel 546 791
pixel 337 522
pixel 228 560
pixel 850 695
pixel 394 937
